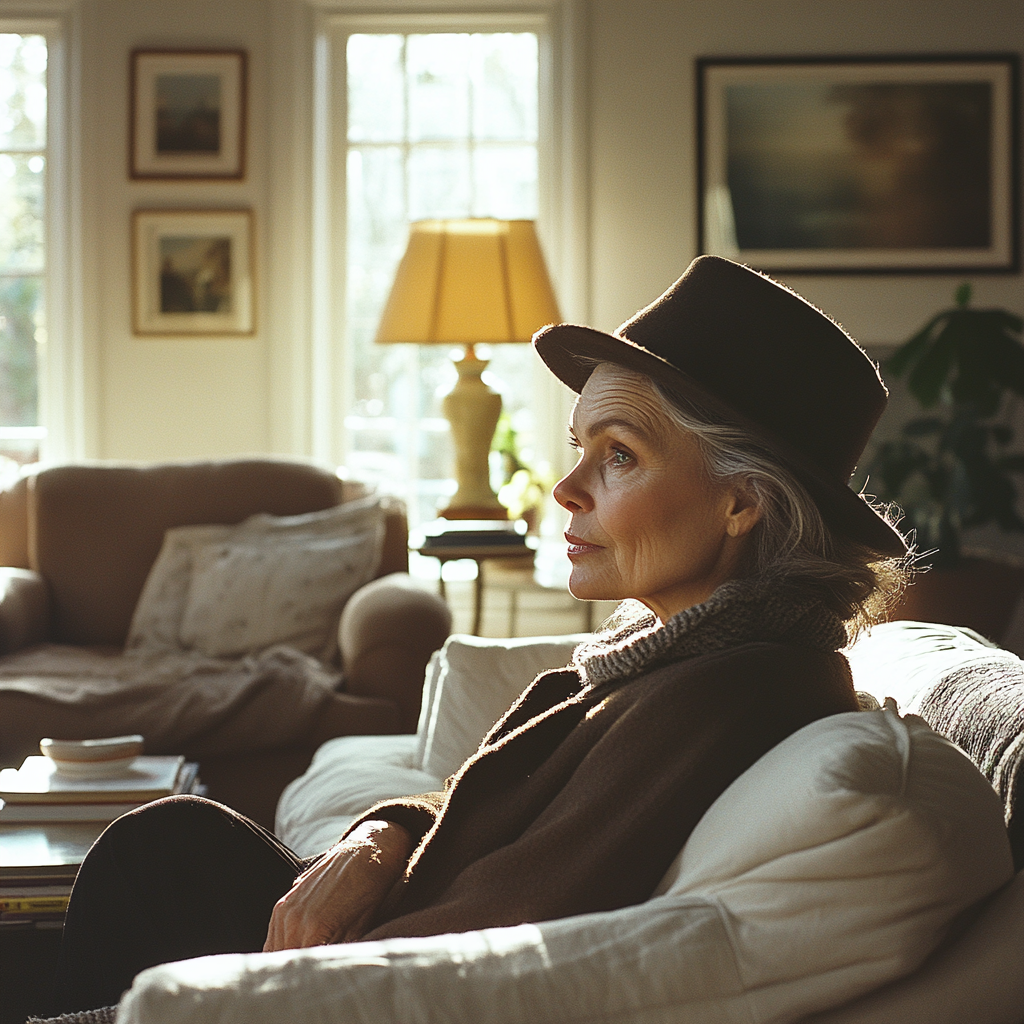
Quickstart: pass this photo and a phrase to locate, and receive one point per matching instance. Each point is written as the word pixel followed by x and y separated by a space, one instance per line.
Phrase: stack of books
pixel 472 533
pixel 48 821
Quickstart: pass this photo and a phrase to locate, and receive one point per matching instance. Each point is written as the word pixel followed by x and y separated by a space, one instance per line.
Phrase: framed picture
pixel 192 272
pixel 860 165
pixel 187 114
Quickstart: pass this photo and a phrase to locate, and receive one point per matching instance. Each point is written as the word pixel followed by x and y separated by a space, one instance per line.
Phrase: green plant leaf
pixel 928 378
pixel 893 464
pixel 910 351
pixel 1004 356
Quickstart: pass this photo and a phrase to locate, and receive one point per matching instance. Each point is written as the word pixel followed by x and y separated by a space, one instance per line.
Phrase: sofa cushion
pixel 843 855
pixel 228 591
pixel 966 689
pixel 282 580
pixel 976 977
pixel 346 776
pixel 156 622
pixel 477 679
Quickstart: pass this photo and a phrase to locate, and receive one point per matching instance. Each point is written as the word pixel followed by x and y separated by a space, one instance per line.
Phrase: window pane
pixel 376 92
pixel 395 430
pixel 21 211
pixel 21 325
pixel 22 241
pixel 505 179
pixel 438 81
pixel 439 182
pixel 505 86
pixel 22 91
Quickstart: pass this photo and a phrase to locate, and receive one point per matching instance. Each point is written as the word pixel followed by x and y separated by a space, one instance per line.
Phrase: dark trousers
pixel 178 878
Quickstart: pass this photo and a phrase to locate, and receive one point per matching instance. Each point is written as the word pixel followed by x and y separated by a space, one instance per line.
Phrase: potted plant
pixel 954 466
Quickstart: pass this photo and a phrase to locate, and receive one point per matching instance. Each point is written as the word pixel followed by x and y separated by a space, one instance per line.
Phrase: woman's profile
pixel 716 432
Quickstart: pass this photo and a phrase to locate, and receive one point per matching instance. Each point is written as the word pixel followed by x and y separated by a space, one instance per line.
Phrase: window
pixel 23 103
pixel 437 124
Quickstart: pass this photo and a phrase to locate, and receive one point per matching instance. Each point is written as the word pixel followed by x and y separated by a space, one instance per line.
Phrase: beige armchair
pixel 76 545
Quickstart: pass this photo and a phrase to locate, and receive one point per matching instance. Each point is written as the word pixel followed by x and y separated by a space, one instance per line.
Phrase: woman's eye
pixel 620 458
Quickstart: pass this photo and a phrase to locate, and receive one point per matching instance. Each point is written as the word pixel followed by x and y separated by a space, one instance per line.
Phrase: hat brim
pixel 570 352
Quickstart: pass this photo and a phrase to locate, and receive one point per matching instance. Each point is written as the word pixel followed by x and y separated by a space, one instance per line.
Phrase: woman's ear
pixel 743 512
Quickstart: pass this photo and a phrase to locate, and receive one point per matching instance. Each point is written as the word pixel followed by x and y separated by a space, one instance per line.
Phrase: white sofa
pixel 859 873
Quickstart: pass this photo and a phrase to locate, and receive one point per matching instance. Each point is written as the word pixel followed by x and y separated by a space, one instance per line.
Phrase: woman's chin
pixel 584 589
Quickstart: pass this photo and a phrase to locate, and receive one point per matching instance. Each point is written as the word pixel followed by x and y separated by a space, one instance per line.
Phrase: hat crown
pixel 770 356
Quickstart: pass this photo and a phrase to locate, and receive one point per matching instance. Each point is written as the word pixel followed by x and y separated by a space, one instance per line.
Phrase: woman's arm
pixel 334 900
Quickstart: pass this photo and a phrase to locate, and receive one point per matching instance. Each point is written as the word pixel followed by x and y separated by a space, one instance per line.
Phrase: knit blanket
pixel 181 703
pixel 980 707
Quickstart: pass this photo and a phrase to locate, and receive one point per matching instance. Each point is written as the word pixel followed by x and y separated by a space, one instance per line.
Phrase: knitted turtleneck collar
pixel 738 612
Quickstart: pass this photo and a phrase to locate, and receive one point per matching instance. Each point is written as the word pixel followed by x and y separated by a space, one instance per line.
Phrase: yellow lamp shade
pixel 469 281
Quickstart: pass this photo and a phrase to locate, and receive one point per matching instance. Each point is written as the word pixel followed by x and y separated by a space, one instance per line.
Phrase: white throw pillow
pixel 476 681
pixel 231 590
pixel 904 660
pixel 842 856
pixel 156 622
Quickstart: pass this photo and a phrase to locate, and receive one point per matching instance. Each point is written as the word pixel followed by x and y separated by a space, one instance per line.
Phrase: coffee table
pixel 34 855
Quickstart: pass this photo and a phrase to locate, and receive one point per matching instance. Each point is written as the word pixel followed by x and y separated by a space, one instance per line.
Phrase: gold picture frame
pixel 193 273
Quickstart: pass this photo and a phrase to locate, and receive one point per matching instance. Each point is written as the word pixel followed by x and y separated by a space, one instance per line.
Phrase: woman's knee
pixel 190 815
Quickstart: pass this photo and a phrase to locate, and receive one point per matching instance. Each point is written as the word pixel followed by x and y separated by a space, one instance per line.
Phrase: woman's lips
pixel 578 546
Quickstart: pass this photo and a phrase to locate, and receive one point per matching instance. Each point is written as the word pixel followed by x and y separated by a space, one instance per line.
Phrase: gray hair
pixel 791 542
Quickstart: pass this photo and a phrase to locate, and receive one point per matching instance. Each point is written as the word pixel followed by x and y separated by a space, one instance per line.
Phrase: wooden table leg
pixel 478 598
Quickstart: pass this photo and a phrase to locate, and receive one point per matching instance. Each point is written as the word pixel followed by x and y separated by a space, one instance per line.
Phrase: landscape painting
pixel 841 166
pixel 188 113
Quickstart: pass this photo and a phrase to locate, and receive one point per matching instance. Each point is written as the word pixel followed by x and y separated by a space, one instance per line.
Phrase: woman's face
pixel 646 519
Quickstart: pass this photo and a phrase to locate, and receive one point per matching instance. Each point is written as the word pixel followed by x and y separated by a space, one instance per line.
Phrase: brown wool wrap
pixel 673 715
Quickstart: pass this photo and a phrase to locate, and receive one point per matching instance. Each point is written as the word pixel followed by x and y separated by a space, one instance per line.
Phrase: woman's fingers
pixel 334 900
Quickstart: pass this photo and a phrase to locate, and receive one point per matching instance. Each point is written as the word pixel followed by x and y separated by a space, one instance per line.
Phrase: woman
pixel 716 433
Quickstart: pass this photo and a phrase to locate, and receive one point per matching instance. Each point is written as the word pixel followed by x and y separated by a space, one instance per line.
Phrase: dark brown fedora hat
pixel 756 354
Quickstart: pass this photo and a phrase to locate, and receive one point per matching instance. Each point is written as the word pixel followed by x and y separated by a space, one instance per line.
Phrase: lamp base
pixel 472 408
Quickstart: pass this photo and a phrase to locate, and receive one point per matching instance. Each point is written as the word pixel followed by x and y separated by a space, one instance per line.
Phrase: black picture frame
pixel 860 165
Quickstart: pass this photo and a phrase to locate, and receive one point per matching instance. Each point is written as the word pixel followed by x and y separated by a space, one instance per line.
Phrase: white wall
pixel 642 55
pixel 159 398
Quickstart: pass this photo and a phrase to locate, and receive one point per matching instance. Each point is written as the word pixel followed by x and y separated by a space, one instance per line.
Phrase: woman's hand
pixel 333 900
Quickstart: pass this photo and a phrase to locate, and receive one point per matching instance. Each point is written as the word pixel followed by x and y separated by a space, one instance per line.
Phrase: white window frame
pixel 61 365
pixel 308 357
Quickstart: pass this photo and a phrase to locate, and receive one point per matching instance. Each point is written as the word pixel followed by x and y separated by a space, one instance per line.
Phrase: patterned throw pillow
pixel 230 591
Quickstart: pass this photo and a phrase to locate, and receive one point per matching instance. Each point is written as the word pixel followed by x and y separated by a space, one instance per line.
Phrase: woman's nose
pixel 569 493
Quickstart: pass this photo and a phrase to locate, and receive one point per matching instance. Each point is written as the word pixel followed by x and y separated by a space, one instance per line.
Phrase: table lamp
pixel 464 282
